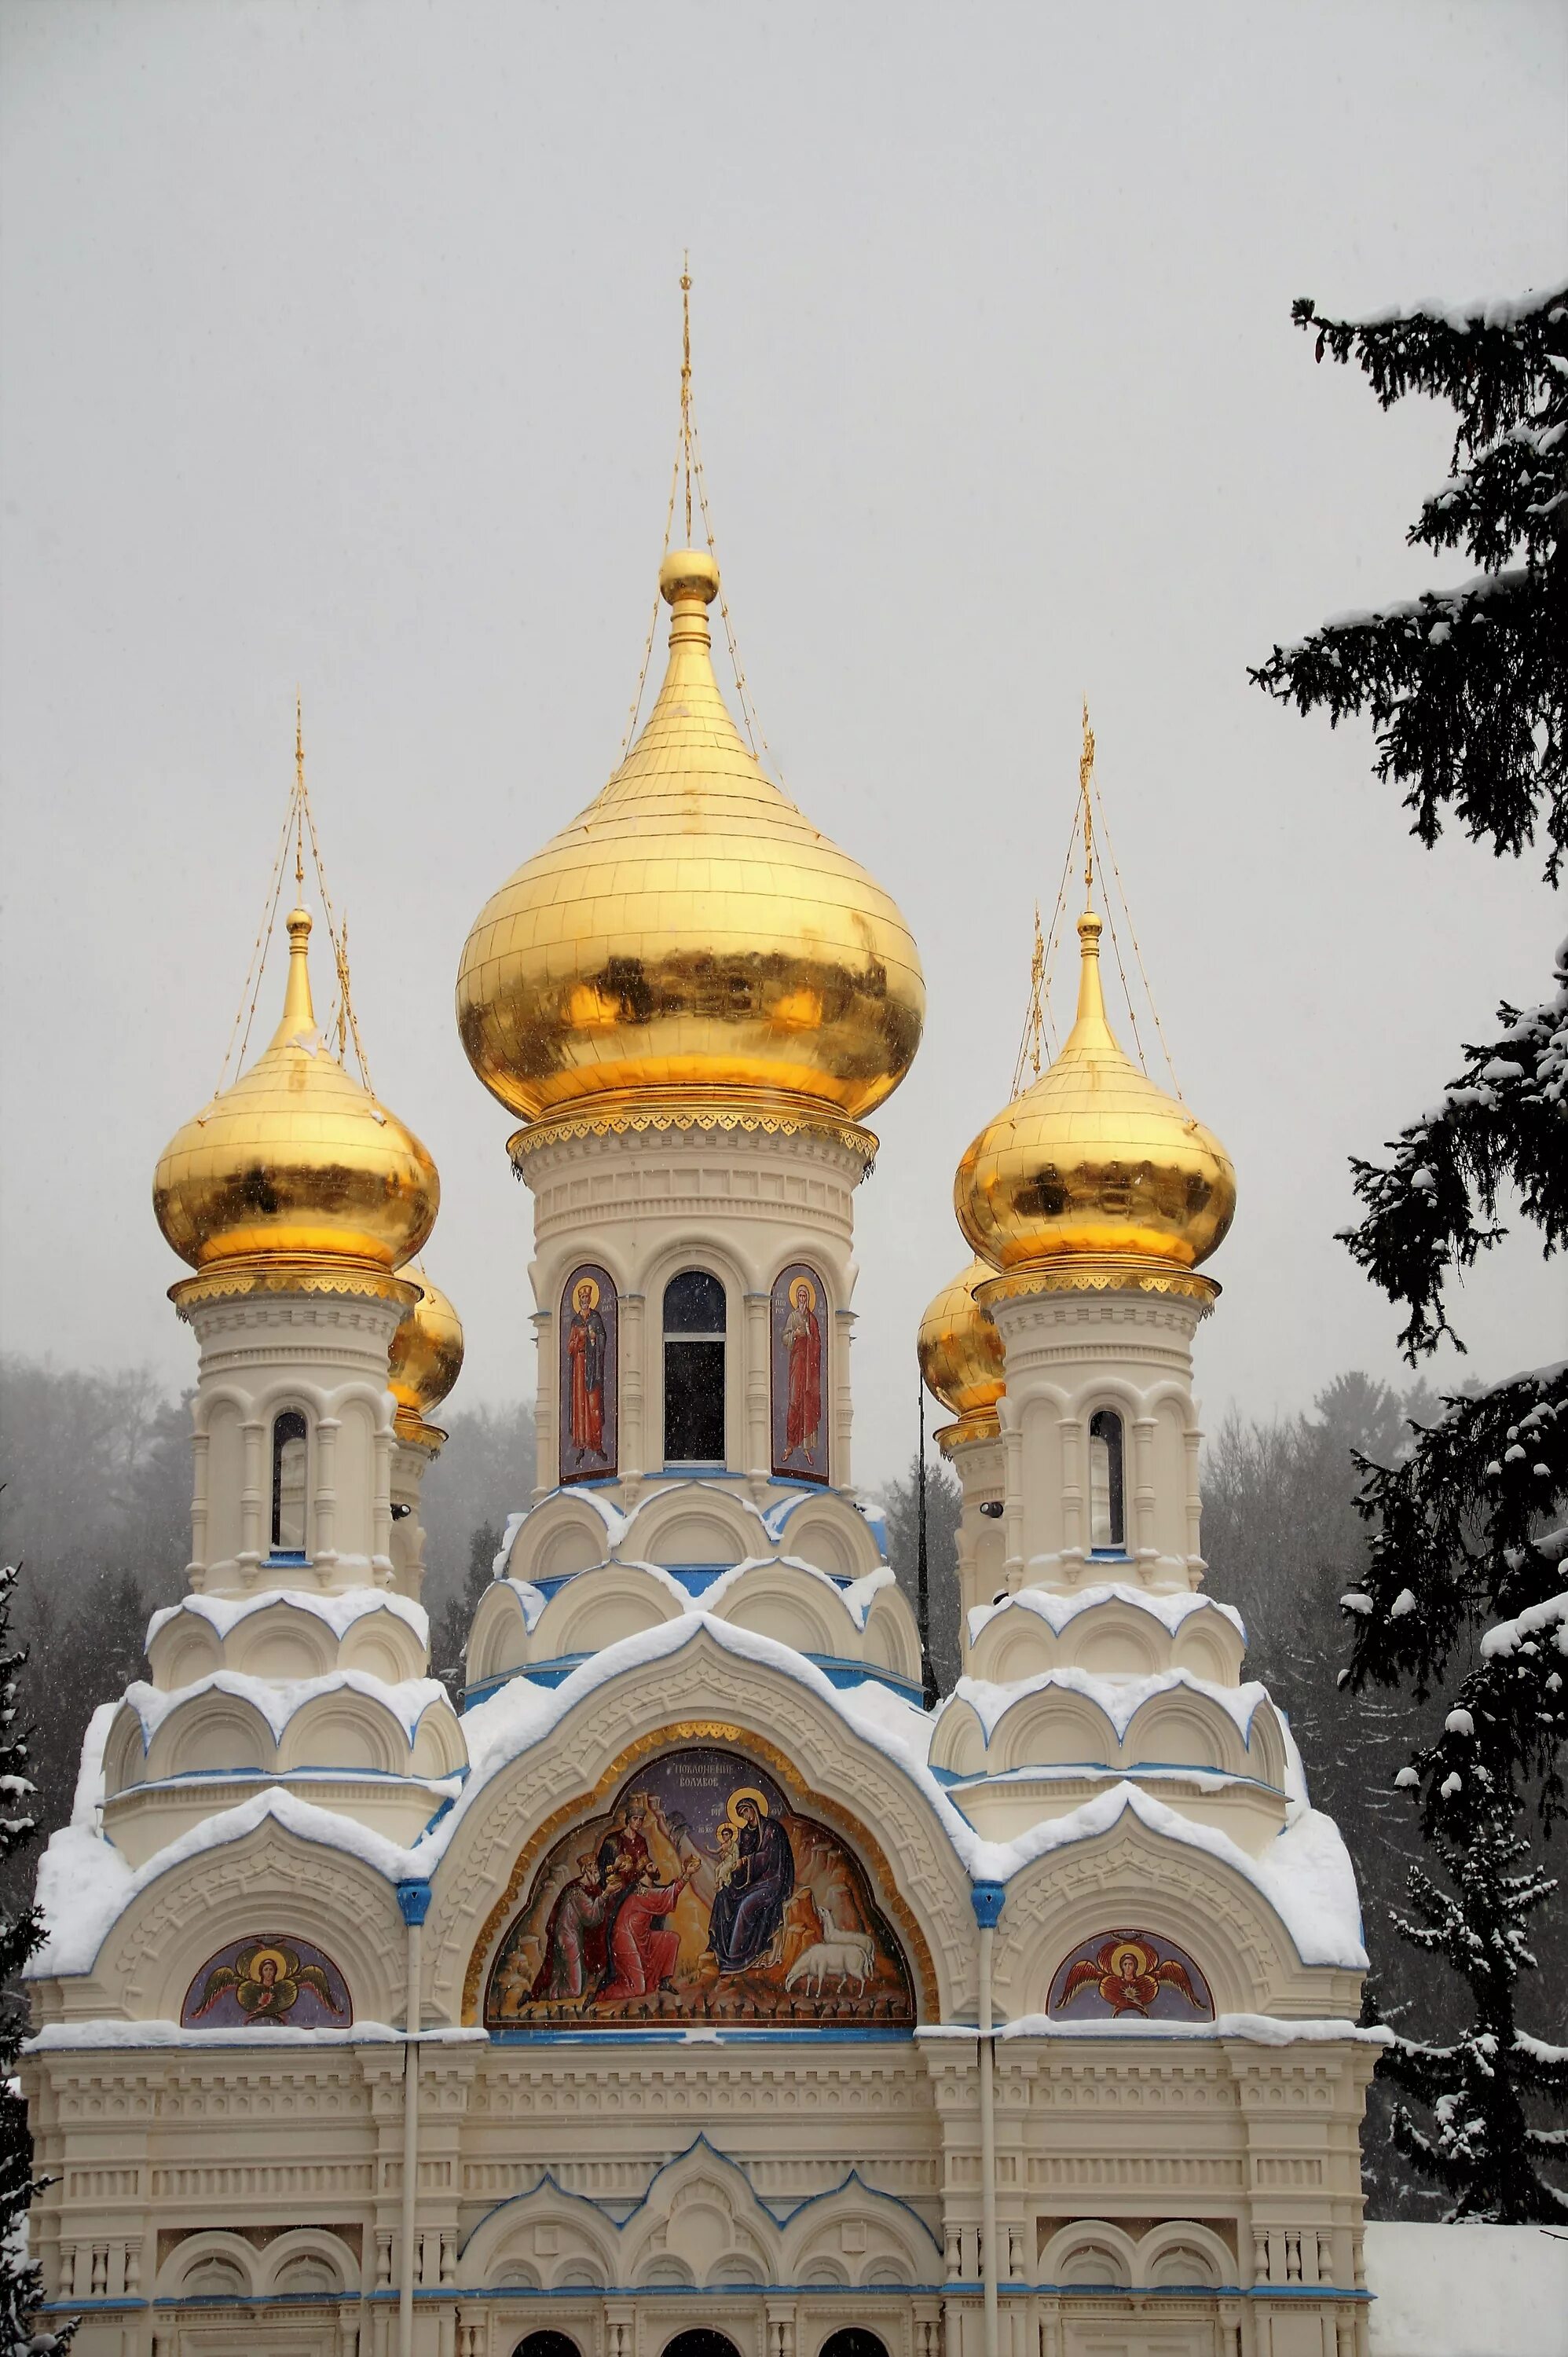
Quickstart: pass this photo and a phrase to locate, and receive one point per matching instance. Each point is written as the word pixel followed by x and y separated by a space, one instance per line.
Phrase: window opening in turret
pixel 1107 1512
pixel 289 1482
pixel 694 1369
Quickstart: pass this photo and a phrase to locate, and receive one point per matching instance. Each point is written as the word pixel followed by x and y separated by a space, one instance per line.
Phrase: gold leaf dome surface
pixel 960 1353
pixel 1093 1158
pixel 691 934
pixel 426 1355
pixel 296 1161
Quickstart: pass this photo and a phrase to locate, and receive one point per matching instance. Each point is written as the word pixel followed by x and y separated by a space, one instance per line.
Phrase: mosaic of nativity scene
pixel 701 1895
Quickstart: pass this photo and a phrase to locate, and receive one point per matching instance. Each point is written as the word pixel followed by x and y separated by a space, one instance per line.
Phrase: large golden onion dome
pixel 296 1162
pixel 1094 1159
pixel 691 935
pixel 426 1355
pixel 960 1353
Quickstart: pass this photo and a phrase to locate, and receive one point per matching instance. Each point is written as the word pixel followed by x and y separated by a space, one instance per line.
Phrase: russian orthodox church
pixel 693 1990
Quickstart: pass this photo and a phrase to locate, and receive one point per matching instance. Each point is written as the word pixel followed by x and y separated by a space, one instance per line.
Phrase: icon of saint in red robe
pixel 803 1341
pixel 586 1363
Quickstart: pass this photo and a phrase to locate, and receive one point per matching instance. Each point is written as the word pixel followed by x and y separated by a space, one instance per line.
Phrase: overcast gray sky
pixel 340 347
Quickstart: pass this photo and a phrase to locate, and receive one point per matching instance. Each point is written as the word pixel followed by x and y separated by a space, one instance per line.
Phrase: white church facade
pixel 693 1991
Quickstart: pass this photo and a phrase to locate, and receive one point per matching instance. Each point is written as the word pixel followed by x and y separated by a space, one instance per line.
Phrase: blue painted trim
pixel 697 1577
pixel 616 2034
pixel 283 1776
pixel 283 1562
pixel 987 1898
pixel 840 1671
pixel 555 1672
pixel 413 1901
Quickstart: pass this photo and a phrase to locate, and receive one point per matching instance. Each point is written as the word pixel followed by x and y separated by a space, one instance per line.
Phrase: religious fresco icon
pixel 589 1384
pixel 799 1322
pixel 269 1982
pixel 701 1894
pixel 1130 1977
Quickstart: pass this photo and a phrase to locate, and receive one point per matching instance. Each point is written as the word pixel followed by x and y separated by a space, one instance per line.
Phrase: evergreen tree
pixel 1482 2146
pixel 1468 690
pixel 944 1506
pixel 449 1642
pixel 21 1933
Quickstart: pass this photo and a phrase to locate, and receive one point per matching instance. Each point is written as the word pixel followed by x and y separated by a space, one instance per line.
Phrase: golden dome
pixel 296 1161
pixel 690 936
pixel 426 1355
pixel 961 1358
pixel 1094 1160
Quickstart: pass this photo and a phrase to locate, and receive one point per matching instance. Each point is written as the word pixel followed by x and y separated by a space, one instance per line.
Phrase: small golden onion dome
pixel 1093 1158
pixel 691 934
pixel 296 1161
pixel 426 1355
pixel 961 1358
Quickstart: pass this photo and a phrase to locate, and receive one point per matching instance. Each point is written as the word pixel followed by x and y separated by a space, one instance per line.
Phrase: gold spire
pixel 686 378
pixel 298 1025
pixel 296 1166
pixel 1093 1161
pixel 1085 786
pixel 691 937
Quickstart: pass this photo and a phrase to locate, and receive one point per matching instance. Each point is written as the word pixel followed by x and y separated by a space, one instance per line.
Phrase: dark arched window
pixel 1107 1485
pixel 694 1369
pixel 547 2344
pixel 854 2340
pixel 700 2340
pixel 289 1482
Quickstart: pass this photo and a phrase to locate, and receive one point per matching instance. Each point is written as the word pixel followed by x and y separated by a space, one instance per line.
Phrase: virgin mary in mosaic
pixel 700 1895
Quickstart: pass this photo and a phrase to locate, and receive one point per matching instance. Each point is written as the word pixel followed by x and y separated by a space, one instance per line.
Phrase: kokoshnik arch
pixel 758 2010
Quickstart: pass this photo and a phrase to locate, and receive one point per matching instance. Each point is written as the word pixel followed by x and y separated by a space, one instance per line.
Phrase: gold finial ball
pixel 689 573
pixel 960 1353
pixel 426 1355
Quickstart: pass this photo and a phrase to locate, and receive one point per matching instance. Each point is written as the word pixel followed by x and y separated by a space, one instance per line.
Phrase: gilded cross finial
pixel 686 379
pixel 298 795
pixel 1085 783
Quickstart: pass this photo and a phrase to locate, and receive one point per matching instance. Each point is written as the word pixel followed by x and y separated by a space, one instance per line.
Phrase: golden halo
pixel 588 1284
pixel 258 1957
pixel 1140 1956
pixel 745 1792
pixel 803 1284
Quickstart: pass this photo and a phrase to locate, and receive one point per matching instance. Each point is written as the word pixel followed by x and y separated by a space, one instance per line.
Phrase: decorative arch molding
pixel 598 1607
pixel 1138 2260
pixel 498 1642
pixel 538 1795
pixel 195 1908
pixel 1215 1914
pixel 700 2223
pixel 212 2251
pixel 507 2238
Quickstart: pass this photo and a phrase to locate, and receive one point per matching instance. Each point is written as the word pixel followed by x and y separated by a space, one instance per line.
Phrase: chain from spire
pixel 299 820
pixel 688 457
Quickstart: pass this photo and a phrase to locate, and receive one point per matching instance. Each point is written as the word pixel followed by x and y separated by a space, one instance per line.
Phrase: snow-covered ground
pixel 1468 2291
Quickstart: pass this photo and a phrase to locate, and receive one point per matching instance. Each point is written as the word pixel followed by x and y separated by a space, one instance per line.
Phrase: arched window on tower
pixel 289 1482
pixel 1107 1485
pixel 694 1369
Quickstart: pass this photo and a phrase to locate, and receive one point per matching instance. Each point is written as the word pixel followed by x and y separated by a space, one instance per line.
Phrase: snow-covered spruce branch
pixel 1487 359
pixel 1466 686
pixel 1503 1120
pixel 1458 1532
pixel 1466 690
